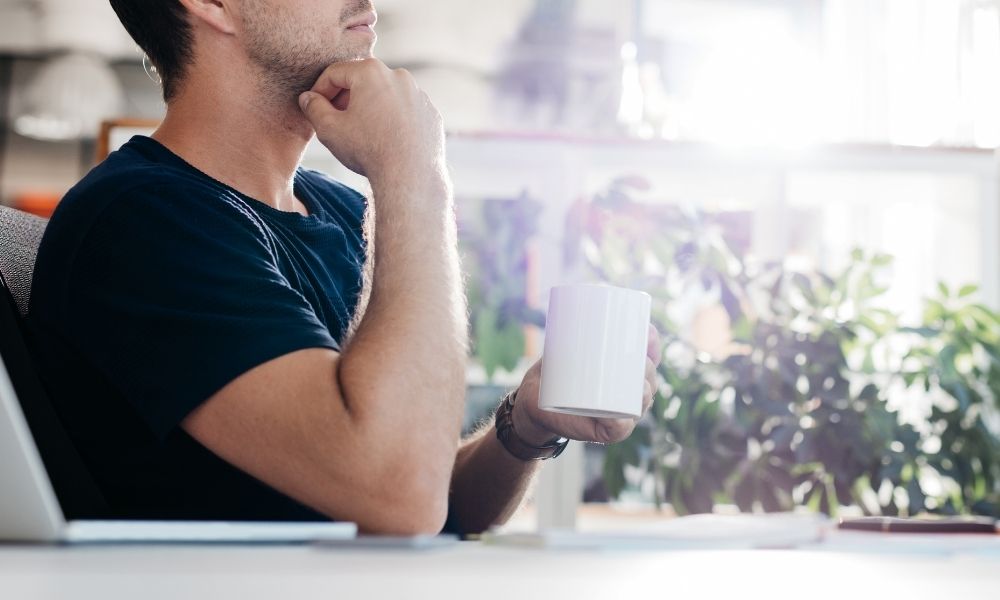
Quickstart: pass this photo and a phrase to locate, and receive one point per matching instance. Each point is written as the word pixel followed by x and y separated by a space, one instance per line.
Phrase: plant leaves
pixel 967 290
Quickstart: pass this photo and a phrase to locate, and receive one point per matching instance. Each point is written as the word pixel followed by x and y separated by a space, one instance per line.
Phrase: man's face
pixel 293 41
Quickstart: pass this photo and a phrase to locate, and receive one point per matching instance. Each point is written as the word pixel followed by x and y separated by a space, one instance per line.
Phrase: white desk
pixel 477 572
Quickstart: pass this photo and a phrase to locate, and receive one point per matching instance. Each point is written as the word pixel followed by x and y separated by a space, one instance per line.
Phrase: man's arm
pixel 369 435
pixel 489 483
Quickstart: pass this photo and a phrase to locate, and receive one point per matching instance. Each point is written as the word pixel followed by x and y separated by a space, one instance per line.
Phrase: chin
pixel 361 55
pixel 362 51
pixel 307 75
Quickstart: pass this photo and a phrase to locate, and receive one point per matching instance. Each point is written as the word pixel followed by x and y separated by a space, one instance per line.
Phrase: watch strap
pixel 504 424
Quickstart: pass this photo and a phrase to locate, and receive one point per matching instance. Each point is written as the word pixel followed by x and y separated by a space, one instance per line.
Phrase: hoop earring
pixel 150 69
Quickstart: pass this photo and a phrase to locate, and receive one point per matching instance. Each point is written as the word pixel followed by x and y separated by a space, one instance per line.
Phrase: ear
pixel 217 14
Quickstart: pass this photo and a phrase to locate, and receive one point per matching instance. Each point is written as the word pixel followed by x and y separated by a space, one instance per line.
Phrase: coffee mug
pixel 594 362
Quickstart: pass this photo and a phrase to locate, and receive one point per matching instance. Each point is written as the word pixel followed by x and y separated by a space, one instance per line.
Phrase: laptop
pixel 30 511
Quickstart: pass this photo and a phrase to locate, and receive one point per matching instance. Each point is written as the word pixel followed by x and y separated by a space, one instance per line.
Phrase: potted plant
pixel 495 238
pixel 797 407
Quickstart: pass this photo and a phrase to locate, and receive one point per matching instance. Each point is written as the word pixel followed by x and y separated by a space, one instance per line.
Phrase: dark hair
pixel 162 30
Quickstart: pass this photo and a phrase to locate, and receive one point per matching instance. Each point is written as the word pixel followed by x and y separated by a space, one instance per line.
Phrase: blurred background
pixel 809 189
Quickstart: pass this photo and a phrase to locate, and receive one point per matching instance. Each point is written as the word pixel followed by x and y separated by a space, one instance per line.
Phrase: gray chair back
pixel 20 235
pixel 78 493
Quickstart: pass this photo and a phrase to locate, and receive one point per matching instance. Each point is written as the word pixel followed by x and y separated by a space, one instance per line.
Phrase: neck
pixel 253 146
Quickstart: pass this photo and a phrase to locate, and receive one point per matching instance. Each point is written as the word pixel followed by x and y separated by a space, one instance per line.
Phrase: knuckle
pixel 614 431
pixel 620 433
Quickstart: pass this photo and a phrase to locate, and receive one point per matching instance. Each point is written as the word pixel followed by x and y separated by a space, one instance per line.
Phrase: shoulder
pixel 130 191
pixel 128 210
pixel 133 180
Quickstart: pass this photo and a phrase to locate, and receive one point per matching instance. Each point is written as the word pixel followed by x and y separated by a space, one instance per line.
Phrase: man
pixel 200 306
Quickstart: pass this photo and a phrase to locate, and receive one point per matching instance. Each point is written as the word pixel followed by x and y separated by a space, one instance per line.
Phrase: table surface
pixel 473 570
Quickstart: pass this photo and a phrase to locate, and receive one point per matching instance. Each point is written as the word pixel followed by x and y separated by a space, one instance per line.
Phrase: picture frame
pixel 114 133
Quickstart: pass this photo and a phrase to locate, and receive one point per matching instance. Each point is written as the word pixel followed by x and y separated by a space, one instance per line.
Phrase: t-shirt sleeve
pixel 172 296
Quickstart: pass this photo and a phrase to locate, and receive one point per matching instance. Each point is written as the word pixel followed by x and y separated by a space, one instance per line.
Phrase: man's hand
pixel 538 427
pixel 375 120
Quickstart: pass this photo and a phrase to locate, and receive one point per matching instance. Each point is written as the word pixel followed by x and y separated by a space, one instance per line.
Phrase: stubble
pixel 292 51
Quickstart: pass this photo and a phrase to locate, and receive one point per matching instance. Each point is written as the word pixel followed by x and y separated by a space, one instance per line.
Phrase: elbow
pixel 430 517
pixel 405 495
pixel 421 507
pixel 408 523
pixel 404 485
pixel 409 511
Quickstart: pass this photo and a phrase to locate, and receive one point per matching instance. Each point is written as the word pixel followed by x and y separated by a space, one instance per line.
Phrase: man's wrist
pixel 515 444
pixel 527 429
pixel 431 181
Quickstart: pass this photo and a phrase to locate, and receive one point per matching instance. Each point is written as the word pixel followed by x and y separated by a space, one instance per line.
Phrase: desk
pixel 473 571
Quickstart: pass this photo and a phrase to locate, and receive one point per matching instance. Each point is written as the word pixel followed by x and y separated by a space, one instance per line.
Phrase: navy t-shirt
pixel 155 286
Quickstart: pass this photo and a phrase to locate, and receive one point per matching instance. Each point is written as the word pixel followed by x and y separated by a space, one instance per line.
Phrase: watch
pixel 504 423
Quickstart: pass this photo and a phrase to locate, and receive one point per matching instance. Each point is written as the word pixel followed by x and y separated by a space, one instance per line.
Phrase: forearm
pixel 402 374
pixel 489 484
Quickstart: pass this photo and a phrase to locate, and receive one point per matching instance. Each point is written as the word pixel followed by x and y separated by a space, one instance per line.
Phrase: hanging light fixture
pixel 68 98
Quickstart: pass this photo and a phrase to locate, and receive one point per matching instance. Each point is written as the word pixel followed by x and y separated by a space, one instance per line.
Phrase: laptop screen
pixel 29 510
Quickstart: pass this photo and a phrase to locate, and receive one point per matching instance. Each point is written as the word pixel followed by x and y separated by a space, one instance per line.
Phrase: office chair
pixel 78 494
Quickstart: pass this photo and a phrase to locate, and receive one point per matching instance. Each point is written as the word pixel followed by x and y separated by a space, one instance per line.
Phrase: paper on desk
pixel 696 532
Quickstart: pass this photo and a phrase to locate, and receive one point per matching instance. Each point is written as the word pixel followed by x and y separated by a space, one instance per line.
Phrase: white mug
pixel 594 362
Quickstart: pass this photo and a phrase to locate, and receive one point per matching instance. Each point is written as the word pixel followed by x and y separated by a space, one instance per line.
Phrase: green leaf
pixel 882 260
pixel 813 498
pixel 868 366
pixel 943 288
pixel 497 347
pixel 960 393
pixel 916 495
pixel 614 472
pixel 876 328
pixel 946 358
pixel 742 330
pixel 984 315
pixel 968 290
pixel 934 312
pixel 927 332
pixel 870 392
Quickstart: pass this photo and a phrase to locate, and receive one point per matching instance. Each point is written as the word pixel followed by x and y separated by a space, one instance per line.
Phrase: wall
pixel 31 165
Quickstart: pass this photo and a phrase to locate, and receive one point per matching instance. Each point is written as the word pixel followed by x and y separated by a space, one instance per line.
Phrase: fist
pixel 374 120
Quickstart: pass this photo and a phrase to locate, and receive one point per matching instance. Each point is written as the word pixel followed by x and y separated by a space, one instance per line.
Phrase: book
pixel 962 524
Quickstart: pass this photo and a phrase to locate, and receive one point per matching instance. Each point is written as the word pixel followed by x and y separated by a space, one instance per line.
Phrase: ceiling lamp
pixel 68 98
